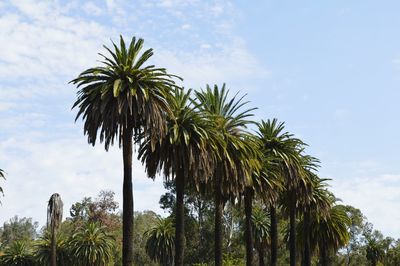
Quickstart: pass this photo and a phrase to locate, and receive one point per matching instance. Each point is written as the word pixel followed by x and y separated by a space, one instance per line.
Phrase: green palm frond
pixel 43 250
pixel 237 155
pixel 92 245
pixel 188 147
pixel 160 242
pixel 17 254
pixel 2 175
pixel 123 93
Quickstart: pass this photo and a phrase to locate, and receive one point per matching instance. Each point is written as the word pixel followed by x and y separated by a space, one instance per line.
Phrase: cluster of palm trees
pixel 90 244
pixel 202 140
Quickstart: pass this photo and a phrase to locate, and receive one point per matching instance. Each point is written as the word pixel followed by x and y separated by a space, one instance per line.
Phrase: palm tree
pixel 43 250
pixel 330 233
pixel 54 218
pixel 120 100
pixel 235 160
pixel 281 150
pixel 160 242
pixel 17 254
pixel 261 225
pixel 185 154
pixel 317 204
pixel 91 245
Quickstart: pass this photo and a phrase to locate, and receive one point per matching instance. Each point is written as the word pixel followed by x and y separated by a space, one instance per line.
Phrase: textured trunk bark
pixel 219 208
pixel 53 255
pixel 127 203
pixel 179 226
pixel 307 250
pixel 261 261
pixel 292 210
pixel 324 256
pixel 248 198
pixel 274 236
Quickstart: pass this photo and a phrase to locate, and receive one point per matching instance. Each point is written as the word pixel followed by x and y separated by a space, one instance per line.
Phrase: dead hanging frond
pixel 54 212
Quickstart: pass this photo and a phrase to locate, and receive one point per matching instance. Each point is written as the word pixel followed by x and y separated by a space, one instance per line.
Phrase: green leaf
pixel 117 87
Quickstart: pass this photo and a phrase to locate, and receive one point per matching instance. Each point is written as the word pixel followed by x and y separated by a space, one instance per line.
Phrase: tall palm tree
pixel 160 242
pixel 54 219
pixel 281 150
pixel 318 204
pixel 17 254
pixel 185 154
pixel 91 245
pixel 235 161
pixel 120 100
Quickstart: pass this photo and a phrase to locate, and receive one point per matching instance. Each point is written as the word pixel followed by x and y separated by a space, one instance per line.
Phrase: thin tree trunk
pixel 248 198
pixel 219 208
pixel 53 247
pixel 261 261
pixel 180 225
pixel 274 236
pixel 292 239
pixel 307 250
pixel 127 204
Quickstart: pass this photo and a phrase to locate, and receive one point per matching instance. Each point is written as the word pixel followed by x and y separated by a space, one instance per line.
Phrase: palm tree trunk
pixel 292 239
pixel 248 198
pixel 53 253
pixel 274 235
pixel 219 208
pixel 307 250
pixel 324 255
pixel 127 203
pixel 261 261
pixel 179 226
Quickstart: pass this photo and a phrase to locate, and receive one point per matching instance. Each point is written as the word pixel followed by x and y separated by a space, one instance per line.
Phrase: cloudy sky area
pixel 330 70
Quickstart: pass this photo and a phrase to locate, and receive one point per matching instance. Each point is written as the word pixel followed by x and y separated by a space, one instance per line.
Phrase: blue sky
pixel 329 69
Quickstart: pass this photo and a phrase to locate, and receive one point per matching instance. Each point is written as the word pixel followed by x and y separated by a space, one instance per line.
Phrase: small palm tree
pixel 184 155
pixel 54 218
pixel 121 100
pixel 91 245
pixel 235 156
pixel 261 225
pixel 160 242
pixel 43 249
pixel 17 254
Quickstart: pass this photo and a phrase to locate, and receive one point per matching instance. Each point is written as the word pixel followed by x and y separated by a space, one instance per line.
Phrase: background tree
pixel 17 254
pixel 18 229
pixel 123 99
pixel 160 242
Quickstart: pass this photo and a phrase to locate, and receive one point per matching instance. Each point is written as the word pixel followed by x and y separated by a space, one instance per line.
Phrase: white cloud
pixel 92 9
pixel 377 197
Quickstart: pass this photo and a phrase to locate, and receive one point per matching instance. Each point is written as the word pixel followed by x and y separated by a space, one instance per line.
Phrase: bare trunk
pixel 219 208
pixel 127 204
pixel 179 226
pixel 292 238
pixel 261 257
pixel 248 198
pixel 53 253
pixel 274 236
pixel 307 250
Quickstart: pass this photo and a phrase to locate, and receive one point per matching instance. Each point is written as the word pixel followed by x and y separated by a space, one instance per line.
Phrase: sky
pixel 329 69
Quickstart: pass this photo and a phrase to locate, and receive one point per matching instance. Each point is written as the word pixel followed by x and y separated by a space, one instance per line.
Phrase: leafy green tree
pixel 185 155
pixel 121 100
pixel 91 245
pixel 18 229
pixel 17 254
pixel 54 218
pixel 261 225
pixel 235 155
pixel 160 242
